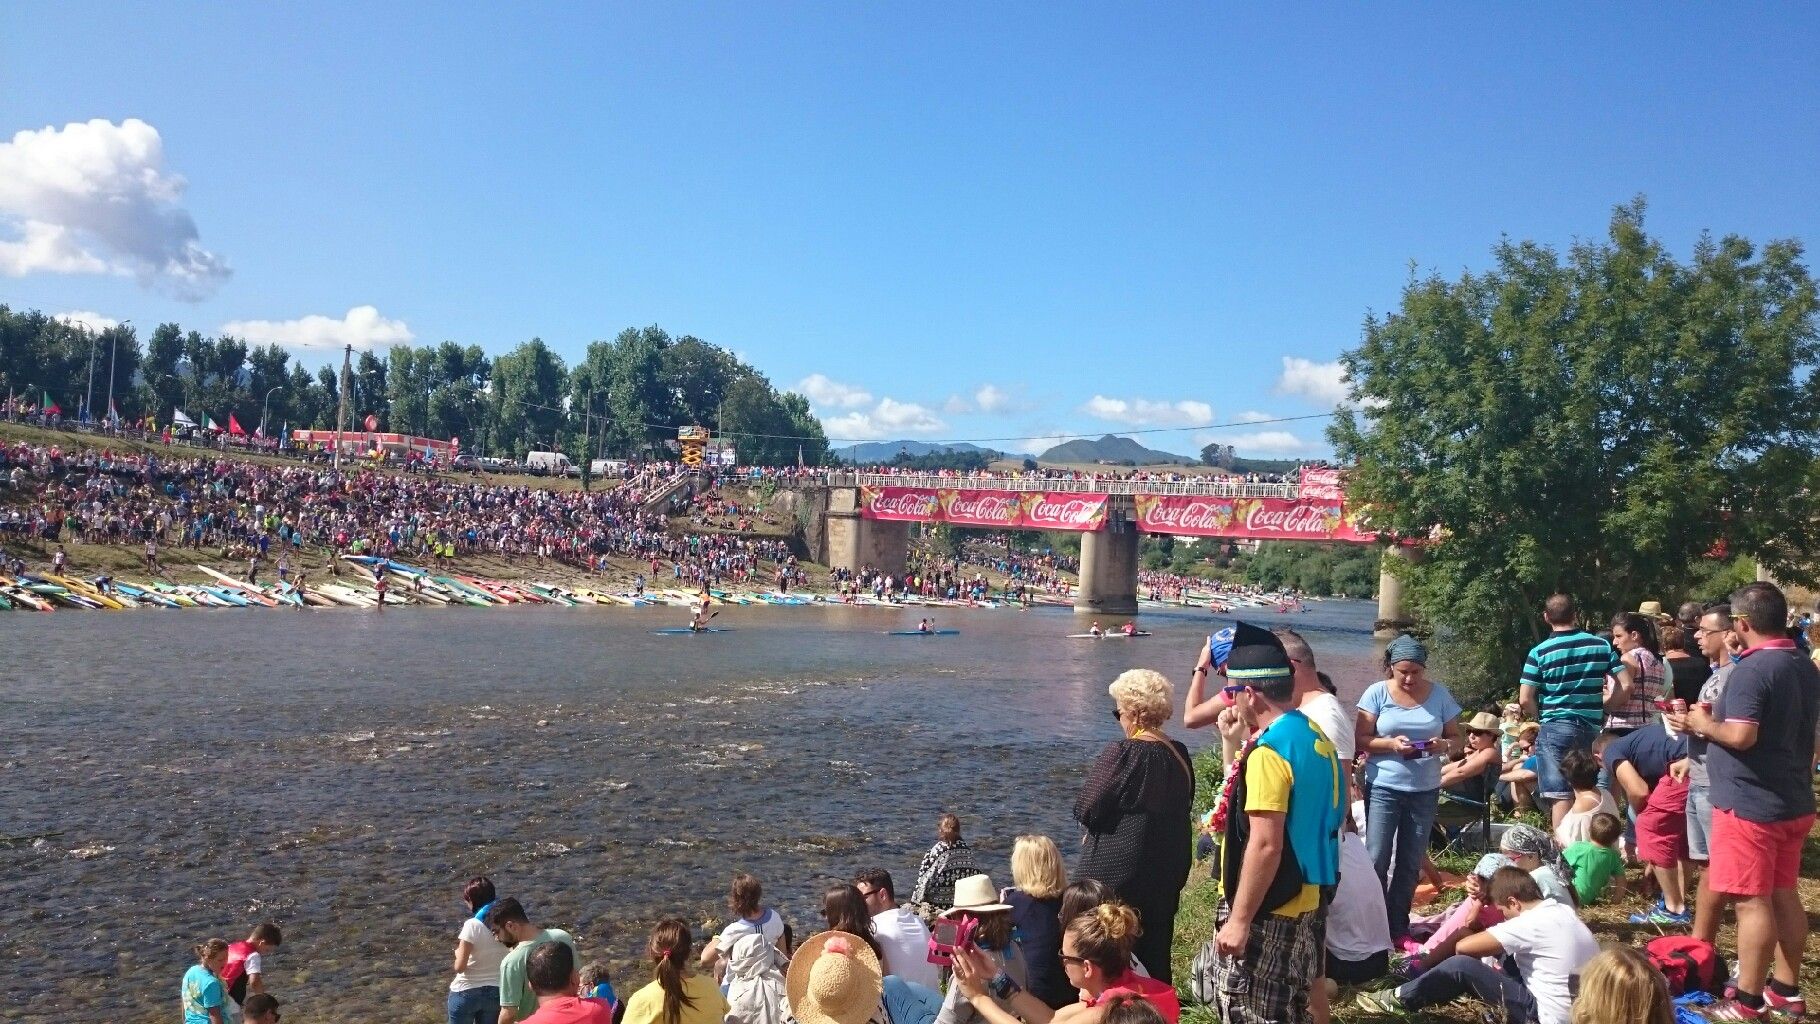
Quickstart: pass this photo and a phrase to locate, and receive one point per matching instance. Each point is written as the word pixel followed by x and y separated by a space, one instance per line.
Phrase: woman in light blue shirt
pixel 1406 725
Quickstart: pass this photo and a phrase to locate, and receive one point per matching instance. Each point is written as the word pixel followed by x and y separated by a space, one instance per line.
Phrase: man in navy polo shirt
pixel 1761 736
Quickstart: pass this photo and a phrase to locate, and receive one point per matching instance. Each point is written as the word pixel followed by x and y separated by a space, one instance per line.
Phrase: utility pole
pixel 112 349
pixel 587 421
pixel 341 413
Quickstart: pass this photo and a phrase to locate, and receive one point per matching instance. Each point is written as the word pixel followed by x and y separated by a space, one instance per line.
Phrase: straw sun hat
pixel 1485 721
pixel 834 979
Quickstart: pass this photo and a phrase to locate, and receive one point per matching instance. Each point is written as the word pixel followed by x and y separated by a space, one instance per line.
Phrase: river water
pixel 343 772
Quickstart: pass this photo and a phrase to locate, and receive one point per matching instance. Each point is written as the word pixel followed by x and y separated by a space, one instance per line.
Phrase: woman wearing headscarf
pixel 1405 723
pixel 1536 852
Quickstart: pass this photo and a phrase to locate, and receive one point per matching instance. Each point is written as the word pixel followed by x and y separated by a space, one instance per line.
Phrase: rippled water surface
pixel 343 772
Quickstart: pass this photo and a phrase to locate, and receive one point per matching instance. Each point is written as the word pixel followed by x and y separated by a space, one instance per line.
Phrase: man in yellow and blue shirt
pixel 1281 848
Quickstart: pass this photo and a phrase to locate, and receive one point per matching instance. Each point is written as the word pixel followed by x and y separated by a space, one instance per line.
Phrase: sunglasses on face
pixel 1075 960
pixel 1232 691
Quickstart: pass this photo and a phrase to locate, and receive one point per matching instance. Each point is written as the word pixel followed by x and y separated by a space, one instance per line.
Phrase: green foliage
pixel 1325 570
pixel 624 397
pixel 944 459
pixel 1591 423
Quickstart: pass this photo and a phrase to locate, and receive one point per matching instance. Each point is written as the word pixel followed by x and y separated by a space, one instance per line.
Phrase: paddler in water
pixel 925 626
pixel 1131 629
pixel 1095 630
pixel 700 622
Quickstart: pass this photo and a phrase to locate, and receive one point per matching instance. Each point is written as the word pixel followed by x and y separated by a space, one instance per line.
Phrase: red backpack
pixel 1689 964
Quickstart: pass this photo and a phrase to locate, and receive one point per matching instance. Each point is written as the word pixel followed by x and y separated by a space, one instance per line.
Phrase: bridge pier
pixel 1109 564
pixel 1392 617
pixel 854 541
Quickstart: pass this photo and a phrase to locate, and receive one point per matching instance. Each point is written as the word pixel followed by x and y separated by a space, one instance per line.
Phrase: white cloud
pixel 1322 383
pixel 1270 442
pixel 824 392
pixel 362 328
pixel 1253 416
pixel 1040 444
pixel 889 420
pixel 86 320
pixel 1143 412
pixel 987 398
pixel 94 198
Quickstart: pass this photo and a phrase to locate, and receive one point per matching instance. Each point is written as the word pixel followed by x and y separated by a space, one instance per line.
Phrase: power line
pixel 522 403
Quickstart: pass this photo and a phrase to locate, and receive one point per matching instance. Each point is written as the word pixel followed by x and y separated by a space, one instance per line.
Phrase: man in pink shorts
pixel 1761 736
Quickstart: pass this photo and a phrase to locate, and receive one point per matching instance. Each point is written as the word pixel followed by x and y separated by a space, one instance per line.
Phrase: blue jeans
pixel 1459 976
pixel 1552 744
pixel 1399 820
pixel 475 1006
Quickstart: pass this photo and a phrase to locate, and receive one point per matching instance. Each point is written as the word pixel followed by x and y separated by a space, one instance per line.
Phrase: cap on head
pixel 1257 656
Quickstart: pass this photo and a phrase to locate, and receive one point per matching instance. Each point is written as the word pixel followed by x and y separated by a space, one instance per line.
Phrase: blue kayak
pixel 674 631
pixel 918 632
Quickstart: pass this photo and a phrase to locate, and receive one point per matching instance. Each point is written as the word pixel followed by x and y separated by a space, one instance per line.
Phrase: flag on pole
pixel 234 426
pixel 179 418
pixel 50 406
pixel 113 413
pixel 208 422
pixel 82 410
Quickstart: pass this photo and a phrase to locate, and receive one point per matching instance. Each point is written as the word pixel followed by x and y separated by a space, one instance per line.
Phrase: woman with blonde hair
pixel 1135 809
pixel 1621 986
pixel 1038 881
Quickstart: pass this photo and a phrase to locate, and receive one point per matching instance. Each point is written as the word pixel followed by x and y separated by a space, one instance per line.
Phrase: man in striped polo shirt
pixel 1566 679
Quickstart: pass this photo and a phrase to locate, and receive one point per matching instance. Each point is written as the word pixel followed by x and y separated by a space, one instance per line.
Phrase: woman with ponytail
pixel 1096 954
pixel 675 995
pixel 204 997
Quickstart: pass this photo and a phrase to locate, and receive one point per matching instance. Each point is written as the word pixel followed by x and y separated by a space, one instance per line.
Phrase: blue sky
pixel 951 221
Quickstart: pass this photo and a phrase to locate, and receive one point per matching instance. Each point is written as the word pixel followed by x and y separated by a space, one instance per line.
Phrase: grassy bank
pixel 1609 921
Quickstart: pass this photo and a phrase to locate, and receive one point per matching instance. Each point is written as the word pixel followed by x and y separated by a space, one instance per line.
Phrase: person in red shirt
pixel 552 974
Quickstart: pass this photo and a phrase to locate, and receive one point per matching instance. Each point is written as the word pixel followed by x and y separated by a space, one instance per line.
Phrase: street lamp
pixel 265 405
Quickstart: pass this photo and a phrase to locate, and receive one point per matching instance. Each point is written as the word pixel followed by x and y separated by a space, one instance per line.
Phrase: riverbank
pixel 1609 921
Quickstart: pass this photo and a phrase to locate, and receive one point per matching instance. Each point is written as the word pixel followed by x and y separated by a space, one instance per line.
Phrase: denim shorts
pixel 1552 744
pixel 1699 823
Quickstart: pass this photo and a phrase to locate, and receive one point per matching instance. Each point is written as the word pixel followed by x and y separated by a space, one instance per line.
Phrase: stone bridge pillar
pixel 1393 618
pixel 854 541
pixel 1109 563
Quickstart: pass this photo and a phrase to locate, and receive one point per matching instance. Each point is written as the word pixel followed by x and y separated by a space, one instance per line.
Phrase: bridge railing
pixel 1207 488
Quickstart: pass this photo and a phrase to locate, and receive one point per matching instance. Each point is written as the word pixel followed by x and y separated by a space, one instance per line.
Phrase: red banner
pixel 1002 510
pixel 1250 518
pixel 1320 484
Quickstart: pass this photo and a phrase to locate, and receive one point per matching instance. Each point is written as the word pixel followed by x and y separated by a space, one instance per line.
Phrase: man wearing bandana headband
pixel 1281 847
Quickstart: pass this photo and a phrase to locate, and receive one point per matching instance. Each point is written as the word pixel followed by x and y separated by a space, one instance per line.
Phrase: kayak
pixel 679 630
pixel 1108 636
pixel 918 632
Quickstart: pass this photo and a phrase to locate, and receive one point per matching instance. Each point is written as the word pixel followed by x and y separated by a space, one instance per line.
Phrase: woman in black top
pixel 1135 808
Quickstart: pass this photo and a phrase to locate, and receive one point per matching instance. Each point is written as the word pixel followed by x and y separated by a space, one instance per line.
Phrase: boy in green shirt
pixel 1597 865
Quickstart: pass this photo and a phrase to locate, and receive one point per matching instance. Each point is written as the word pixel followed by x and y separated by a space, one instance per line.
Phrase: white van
pixel 550 464
pixel 606 467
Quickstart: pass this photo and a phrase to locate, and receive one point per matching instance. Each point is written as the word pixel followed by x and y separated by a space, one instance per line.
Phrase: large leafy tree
pixel 528 411
pixel 1595 422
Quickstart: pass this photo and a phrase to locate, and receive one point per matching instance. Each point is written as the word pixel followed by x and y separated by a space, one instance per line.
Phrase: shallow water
pixel 343 772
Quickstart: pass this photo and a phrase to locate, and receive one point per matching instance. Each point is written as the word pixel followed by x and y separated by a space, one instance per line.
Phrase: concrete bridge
pixel 866 521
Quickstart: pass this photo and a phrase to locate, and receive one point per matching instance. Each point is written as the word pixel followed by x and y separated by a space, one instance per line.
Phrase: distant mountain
pixel 872 453
pixel 1114 449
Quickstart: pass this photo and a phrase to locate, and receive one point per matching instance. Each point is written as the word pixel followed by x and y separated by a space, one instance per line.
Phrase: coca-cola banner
pixel 1008 510
pixel 1320 483
pixel 1249 518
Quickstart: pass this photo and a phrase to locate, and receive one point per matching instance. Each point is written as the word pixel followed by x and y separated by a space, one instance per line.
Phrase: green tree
pixel 1591 423
pixel 163 382
pixel 528 385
